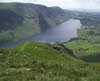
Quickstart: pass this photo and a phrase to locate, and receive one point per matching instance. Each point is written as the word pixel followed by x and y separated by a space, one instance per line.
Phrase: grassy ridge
pixel 34 61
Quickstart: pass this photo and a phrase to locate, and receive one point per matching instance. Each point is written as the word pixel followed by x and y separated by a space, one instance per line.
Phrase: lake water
pixel 61 33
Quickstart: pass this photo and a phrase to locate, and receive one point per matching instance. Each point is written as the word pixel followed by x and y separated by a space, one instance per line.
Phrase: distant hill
pixel 20 20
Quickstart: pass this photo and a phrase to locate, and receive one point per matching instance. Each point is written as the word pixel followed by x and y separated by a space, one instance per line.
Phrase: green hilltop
pixel 35 61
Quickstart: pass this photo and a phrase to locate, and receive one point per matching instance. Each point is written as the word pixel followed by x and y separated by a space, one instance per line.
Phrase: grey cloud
pixel 87 4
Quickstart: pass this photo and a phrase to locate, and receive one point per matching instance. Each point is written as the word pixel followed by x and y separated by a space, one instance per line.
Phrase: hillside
pixel 20 20
pixel 87 45
pixel 35 61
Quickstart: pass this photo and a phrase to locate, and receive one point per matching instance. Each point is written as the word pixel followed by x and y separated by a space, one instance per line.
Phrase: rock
pixel 28 69
pixel 36 47
pixel 1 54
pixel 25 56
pixel 16 54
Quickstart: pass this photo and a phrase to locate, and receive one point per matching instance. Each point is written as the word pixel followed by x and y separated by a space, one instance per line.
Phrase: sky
pixel 84 4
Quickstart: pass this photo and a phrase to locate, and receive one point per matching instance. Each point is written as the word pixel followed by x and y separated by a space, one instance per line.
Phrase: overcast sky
pixel 85 4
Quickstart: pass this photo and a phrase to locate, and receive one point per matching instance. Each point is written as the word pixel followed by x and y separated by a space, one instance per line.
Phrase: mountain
pixel 20 20
pixel 35 61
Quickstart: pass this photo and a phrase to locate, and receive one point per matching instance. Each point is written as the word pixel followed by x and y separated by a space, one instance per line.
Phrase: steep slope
pixel 35 61
pixel 20 20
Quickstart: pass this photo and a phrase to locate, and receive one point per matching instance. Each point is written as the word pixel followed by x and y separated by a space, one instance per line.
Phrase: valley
pixel 87 45
pixel 60 33
pixel 20 20
pixel 39 43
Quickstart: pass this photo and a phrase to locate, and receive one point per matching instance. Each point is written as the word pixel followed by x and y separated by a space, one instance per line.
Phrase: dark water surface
pixel 60 33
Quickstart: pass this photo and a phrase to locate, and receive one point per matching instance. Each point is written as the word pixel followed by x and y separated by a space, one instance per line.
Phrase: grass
pixel 80 47
pixel 35 61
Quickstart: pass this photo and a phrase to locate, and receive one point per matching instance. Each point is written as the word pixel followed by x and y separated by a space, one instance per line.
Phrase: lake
pixel 61 33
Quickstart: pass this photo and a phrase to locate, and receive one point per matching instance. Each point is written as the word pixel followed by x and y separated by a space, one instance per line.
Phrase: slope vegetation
pixel 35 61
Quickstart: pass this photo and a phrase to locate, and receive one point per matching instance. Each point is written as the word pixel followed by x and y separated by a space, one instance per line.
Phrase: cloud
pixel 86 4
